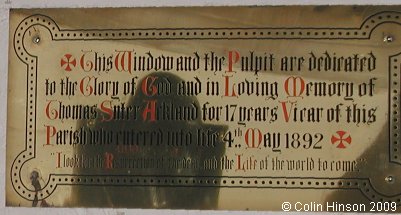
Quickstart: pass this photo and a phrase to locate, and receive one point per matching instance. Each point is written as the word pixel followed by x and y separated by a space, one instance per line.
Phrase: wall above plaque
pixel 234 108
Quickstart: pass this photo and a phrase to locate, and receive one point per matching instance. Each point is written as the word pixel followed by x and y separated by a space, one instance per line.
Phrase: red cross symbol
pixel 68 60
pixel 340 138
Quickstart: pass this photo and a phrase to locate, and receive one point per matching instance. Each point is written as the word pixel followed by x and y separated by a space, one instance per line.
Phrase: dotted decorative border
pixel 362 33
pixel 394 108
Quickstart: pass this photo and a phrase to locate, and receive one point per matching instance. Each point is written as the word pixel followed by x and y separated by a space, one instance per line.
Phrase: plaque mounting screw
pixel 388 39
pixel 389 179
pixel 36 39
pixel 90 123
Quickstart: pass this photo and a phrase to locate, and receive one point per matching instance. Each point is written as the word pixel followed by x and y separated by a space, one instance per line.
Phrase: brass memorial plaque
pixel 238 108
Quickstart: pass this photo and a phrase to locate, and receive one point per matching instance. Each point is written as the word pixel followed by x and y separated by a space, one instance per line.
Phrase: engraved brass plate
pixel 259 108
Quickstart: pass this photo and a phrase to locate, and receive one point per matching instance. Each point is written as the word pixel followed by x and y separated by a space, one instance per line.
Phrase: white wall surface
pixel 5 5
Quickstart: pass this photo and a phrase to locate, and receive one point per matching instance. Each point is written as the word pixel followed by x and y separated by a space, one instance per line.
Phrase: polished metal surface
pixel 236 108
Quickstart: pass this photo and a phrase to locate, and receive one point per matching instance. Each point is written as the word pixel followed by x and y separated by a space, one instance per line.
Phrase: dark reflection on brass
pixel 178 153
pixel 238 108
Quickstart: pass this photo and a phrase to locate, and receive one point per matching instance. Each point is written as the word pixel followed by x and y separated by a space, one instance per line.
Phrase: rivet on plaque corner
pixel 388 39
pixel 36 39
pixel 389 179
pixel 90 123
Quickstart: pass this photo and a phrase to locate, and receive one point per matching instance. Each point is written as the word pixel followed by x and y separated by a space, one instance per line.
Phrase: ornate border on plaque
pixel 394 108
pixel 361 33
